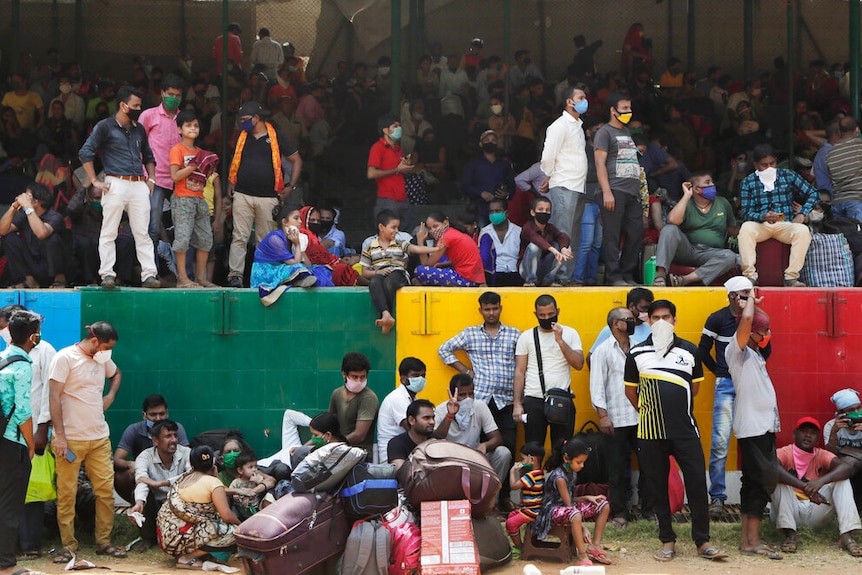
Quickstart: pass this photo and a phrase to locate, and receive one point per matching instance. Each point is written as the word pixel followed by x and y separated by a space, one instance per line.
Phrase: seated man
pixel 420 428
pixel 464 420
pixel 695 235
pixel 842 435
pixel 391 419
pixel 156 468
pixel 32 240
pixel 136 438
pixel 487 176
pixel 544 248
pixel 499 245
pixel 767 196
pixel 822 489
pixel 355 404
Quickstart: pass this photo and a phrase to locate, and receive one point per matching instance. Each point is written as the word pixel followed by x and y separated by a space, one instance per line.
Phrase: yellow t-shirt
pixel 25 107
pixel 209 192
pixel 201 491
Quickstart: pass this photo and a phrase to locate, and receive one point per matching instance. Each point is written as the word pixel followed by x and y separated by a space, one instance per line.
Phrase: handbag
pixel 559 409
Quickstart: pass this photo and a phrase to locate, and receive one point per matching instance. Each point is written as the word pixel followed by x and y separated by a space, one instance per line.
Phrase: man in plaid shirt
pixel 491 350
pixel 767 196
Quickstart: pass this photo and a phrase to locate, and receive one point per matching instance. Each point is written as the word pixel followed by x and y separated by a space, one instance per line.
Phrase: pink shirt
pixel 83 383
pixel 162 134
pixel 309 111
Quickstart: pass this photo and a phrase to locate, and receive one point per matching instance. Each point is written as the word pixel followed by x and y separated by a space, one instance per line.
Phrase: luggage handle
pixel 369 484
pixel 465 485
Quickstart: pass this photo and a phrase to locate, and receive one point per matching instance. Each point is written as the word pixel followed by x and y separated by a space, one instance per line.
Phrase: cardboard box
pixel 448 545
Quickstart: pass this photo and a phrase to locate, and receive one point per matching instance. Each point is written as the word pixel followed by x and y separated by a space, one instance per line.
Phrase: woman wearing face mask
pixel 317 254
pixel 467 269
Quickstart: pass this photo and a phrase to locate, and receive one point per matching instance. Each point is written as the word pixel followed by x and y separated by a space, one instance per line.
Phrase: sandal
pixel 620 522
pixel 676 281
pixel 789 545
pixel 209 285
pixel 30 555
pixel 664 555
pixel 599 556
pixel 763 550
pixel 189 285
pixel 712 554
pixel 659 281
pixel 108 549
pixel 585 562
pixel 25 571
pixel 63 556
pixel 193 565
pixel 851 547
pixel 58 285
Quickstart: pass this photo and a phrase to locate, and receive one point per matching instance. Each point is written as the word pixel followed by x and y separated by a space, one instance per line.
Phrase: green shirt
pixel 709 229
pixel 361 407
pixel 15 383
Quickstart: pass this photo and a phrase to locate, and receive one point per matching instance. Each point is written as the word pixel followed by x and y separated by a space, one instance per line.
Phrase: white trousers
pixel 788 511
pixel 134 199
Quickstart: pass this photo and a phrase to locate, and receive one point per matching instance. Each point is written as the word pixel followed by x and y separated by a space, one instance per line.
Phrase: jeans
pixel 851 210
pixel 722 423
pixel 590 245
pixel 624 224
pixel 567 214
pixel 509 430
pixel 157 200
pixel 537 266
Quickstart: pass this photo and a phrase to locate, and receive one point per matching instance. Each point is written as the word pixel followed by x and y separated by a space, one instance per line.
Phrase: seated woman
pixel 196 519
pixel 324 430
pixel 318 255
pixel 280 261
pixel 230 452
pixel 467 269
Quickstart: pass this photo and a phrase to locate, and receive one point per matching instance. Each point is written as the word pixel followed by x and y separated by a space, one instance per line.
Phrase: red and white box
pixel 448 544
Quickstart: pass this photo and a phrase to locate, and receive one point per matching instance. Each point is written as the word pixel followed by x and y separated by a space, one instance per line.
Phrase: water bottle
pixel 649 271
pixel 530 569
pixel 584 570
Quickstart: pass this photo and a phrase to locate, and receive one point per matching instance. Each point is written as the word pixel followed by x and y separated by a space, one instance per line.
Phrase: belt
pixel 129 178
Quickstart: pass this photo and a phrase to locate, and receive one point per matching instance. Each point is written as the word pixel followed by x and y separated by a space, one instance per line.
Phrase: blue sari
pixel 272 277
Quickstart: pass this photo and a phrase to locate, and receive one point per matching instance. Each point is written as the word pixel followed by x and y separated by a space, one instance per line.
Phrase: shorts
pixel 516 520
pixel 565 515
pixel 191 217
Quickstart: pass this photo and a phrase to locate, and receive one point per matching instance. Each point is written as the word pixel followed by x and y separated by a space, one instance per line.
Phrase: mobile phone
pixel 70 457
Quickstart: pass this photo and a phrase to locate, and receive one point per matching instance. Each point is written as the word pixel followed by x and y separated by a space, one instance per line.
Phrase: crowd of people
pixel 627 163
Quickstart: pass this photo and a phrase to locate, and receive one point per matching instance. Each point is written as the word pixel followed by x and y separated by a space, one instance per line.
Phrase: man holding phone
pixel 767 196
pixel 81 434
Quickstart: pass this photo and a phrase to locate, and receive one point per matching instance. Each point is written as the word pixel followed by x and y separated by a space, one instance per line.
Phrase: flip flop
pixel 620 522
pixel 789 545
pixel 25 571
pixel 193 565
pixel 762 550
pixel 852 548
pixel 664 555
pixel 109 549
pixel 599 556
pixel 712 554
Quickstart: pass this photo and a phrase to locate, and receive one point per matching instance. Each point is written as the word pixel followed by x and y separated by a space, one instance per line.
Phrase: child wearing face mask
pixel 528 477
pixel 560 505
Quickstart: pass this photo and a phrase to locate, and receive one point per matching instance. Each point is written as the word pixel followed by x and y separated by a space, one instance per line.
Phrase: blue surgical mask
pixel 150 424
pixel 709 193
pixel 247 125
pixel 582 107
pixel 416 384
pixel 396 134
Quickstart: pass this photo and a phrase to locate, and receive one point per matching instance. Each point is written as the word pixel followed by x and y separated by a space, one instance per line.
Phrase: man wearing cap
pixel 695 235
pixel 488 177
pixel 257 183
pixel 842 435
pixel 719 330
pixel 755 421
pixel 564 160
pixel 812 485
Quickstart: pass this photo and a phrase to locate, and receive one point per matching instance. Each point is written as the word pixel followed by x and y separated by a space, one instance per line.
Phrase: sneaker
pixel 716 509
pixel 109 282
pixel 151 282
pixel 793 283
pixel 235 282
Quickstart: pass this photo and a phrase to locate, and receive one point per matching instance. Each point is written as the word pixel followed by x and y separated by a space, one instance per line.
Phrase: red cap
pixel 809 420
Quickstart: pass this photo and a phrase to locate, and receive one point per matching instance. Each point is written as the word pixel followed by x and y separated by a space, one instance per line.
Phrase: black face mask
pixel 489 148
pixel 546 323
pixel 543 217
pixel 315 227
pixel 325 226
pixel 630 326
pixel 134 114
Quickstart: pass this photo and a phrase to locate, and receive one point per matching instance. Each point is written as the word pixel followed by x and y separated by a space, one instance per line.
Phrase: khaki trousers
pixel 752 233
pixel 248 211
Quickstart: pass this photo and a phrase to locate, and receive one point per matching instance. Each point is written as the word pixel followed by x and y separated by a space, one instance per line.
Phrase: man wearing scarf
pixel 767 196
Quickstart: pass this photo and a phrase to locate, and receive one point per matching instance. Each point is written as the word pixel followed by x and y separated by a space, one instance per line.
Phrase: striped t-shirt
pixel 533 489
pixel 378 257
pixel 844 162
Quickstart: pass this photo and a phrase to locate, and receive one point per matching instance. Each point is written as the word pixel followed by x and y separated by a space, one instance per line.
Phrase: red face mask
pixel 765 341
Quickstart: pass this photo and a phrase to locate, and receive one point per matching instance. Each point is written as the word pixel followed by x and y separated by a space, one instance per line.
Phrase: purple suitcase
pixel 293 535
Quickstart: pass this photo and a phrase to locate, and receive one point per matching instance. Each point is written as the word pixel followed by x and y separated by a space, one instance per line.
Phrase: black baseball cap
pixel 251 108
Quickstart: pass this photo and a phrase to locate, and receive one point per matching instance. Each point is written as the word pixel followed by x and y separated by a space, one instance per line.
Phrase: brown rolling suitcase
pixel 439 470
pixel 293 535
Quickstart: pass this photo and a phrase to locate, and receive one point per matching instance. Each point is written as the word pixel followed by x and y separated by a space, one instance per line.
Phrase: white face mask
pixel 383 70
pixel 767 178
pixel 816 216
pixel 497 109
pixel 465 413
pixel 102 356
pixel 66 88
pixel 415 384
pixel 5 335
pixel 662 334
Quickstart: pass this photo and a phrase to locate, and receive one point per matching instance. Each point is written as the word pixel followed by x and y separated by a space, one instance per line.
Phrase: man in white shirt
pixel 267 53
pixel 392 415
pixel 564 160
pixel 499 246
pixel 560 349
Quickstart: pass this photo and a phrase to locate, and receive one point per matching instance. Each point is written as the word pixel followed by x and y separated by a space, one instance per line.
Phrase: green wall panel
pixel 224 360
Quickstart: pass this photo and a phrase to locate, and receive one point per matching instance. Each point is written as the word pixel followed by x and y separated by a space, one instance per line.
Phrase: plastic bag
pixel 42 486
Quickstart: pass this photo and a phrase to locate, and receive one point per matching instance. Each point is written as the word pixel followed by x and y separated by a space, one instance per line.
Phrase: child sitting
pixel 249 478
pixel 561 507
pixel 528 477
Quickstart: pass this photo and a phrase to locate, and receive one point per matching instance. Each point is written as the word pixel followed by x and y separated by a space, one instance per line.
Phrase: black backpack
pixel 595 469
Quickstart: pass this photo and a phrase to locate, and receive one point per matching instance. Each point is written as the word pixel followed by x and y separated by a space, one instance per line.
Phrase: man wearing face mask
pixel 125 149
pixel 81 434
pixel 618 420
pixel 560 349
pixel 257 182
pixel 391 419
pixel 499 246
pixel 695 235
pixel 464 420
pixel 662 376
pixel 355 404
pixel 544 248
pixel 564 160
pixel 767 197
pixel 638 301
pixel 387 165
pixel 331 237
pixel 618 173
pixel 488 177
pixel 74 107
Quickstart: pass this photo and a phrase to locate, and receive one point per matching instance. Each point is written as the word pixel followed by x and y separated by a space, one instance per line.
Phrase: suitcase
pixel 293 535
pixel 369 489
pixel 439 470
pixel 492 543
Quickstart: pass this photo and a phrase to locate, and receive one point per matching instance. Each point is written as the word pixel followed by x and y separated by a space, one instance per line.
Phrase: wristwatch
pixel 29 211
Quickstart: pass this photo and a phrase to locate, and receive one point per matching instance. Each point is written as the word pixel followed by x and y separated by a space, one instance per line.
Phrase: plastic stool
pixel 561 551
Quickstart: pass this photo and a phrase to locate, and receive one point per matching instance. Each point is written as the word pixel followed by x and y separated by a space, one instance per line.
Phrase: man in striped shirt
pixel 844 163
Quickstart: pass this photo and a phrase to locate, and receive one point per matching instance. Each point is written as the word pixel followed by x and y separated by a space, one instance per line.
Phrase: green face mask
pixel 497 218
pixel 97 206
pixel 568 466
pixel 526 467
pixel 172 103
pixel 229 459
pixel 318 442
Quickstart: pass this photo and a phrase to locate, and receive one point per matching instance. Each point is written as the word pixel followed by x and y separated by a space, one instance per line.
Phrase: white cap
pixel 738 284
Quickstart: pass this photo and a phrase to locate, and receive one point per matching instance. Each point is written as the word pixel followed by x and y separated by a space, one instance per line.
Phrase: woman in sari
pixel 280 261
pixel 196 518
pixel 318 255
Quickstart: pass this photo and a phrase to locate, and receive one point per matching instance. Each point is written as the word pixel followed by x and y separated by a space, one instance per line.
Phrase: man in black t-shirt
pixel 420 420
pixel 32 240
pixel 257 182
pixel 662 376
